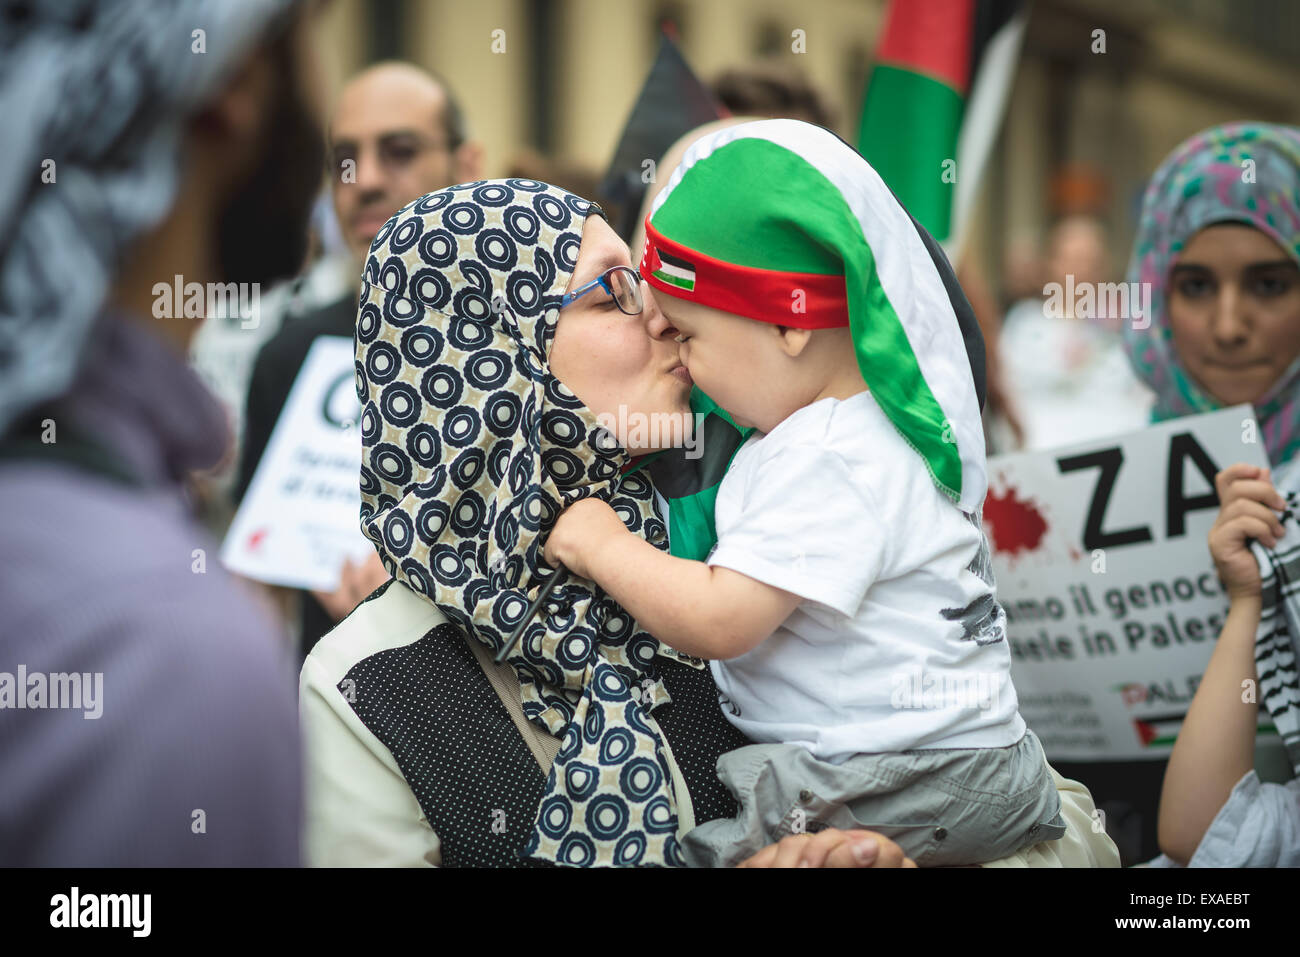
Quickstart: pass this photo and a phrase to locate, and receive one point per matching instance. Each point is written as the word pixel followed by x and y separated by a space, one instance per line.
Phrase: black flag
pixel 673 102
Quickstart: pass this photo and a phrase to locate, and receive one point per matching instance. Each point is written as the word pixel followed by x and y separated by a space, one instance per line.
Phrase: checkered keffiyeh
pixel 1277 642
pixel 95 95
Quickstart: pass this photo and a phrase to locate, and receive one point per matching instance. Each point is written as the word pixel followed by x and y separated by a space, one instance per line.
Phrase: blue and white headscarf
pixel 471 448
pixel 94 95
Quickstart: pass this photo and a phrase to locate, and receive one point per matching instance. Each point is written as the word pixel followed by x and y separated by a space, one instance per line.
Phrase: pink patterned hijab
pixel 1202 182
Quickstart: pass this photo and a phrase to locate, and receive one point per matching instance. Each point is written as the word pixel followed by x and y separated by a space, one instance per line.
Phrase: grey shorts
pixel 944 807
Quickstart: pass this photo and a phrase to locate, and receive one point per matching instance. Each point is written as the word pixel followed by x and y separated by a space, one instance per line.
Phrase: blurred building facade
pixel 1088 121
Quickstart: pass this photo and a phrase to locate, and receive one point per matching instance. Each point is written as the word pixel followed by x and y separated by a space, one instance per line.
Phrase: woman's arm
pixel 1216 745
pixel 701 610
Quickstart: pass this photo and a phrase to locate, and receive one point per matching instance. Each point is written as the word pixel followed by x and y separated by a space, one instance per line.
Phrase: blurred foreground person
pixel 146 706
pixel 397 133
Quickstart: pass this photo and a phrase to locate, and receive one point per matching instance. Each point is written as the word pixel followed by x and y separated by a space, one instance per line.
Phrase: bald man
pixel 397 133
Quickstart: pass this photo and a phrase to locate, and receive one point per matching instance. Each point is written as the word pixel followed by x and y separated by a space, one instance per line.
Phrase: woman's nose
pixel 1229 325
pixel 657 325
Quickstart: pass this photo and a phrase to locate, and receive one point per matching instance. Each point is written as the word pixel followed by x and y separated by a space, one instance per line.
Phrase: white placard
pixel 1113 604
pixel 300 518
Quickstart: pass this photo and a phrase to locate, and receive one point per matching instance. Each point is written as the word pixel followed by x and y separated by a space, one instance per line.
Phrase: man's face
pixel 388 146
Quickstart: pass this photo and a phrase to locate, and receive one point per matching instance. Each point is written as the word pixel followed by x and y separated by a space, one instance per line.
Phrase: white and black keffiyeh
pixel 1277 642
pixel 93 94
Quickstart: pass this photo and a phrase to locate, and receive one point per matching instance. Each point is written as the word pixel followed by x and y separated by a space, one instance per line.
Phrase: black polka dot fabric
pixel 470 769
pixel 699 733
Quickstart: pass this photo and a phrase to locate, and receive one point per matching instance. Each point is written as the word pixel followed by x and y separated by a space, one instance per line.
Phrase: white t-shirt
pixel 899 642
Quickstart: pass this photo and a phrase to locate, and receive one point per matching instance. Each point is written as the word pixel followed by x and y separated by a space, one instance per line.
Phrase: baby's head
pixel 758 371
pixel 792 273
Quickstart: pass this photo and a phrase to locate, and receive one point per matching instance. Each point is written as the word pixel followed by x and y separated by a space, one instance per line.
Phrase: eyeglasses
pixel 622 283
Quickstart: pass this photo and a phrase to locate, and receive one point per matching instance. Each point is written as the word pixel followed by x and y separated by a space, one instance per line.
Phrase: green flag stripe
pixel 705 196
pixel 910 125
pixel 678 281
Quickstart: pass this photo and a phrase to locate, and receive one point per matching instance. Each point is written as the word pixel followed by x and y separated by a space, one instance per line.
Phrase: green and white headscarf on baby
pixel 783 222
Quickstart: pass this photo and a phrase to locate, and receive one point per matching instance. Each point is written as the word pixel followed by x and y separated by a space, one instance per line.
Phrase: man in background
pixel 396 134
pixel 147 708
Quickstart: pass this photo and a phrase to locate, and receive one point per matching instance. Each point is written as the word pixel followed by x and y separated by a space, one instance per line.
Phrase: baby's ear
pixel 793 341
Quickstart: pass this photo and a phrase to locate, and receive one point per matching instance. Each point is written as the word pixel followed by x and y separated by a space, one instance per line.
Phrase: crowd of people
pixel 499 326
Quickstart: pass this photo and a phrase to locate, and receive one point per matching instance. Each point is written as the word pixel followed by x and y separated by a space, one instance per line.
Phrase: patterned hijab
pixel 1207 180
pixel 471 448
pixel 93 95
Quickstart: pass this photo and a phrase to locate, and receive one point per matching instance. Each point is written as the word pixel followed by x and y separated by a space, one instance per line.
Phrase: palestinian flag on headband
pixel 934 102
pixel 674 271
pixel 783 222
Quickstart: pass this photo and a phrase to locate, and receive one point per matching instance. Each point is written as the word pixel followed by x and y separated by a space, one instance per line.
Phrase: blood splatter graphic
pixel 1017 525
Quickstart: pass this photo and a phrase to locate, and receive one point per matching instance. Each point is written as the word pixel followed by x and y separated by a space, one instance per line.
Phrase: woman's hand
pixel 831 848
pixel 1247 503
pixel 355 583
pixel 578 533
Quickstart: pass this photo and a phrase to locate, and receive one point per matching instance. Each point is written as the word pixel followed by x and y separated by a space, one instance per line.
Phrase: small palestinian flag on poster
pixel 675 271
pixel 1158 731
pixel 1161 731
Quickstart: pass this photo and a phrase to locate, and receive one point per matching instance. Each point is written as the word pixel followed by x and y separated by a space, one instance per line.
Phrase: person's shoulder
pixel 130 553
pixel 130 580
pixel 393 617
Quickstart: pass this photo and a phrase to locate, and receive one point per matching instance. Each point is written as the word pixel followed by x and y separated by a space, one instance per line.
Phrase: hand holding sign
pixel 356 582
pixel 1248 501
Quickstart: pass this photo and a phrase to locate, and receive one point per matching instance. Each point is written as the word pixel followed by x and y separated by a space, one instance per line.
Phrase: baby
pixel 848 608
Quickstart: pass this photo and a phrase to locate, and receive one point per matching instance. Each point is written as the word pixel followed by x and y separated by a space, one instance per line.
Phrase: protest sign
pixel 300 518
pixel 1113 604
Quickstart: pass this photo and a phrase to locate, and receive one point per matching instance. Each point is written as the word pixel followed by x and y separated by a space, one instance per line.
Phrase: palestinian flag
pixel 1161 731
pixel 674 271
pixel 1158 731
pixel 934 103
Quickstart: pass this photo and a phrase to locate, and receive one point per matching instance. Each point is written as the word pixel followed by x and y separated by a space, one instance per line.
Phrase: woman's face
pixel 609 360
pixel 1234 311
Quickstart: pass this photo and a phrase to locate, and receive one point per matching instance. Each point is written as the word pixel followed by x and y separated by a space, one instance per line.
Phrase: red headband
pixel 767 295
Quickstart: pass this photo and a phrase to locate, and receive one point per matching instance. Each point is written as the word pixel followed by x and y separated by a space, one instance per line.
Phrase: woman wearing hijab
pixel 497 321
pixel 1219 246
